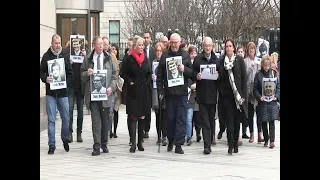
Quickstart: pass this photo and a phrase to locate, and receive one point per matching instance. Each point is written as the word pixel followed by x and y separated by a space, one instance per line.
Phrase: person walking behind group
pixel 161 119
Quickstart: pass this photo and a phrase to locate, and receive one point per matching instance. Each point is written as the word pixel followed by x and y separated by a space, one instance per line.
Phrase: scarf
pixel 228 65
pixel 56 53
pixel 138 57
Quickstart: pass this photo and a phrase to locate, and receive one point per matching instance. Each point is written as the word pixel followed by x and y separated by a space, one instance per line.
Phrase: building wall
pixel 47 29
pixel 115 10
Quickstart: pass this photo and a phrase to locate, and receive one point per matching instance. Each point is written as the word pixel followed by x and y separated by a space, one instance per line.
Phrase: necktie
pixel 98 63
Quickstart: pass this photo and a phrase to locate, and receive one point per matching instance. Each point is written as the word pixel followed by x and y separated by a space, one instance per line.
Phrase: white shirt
pixel 95 57
pixel 148 50
pixel 77 53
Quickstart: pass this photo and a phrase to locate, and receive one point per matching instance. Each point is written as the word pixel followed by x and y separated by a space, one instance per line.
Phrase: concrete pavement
pixel 253 162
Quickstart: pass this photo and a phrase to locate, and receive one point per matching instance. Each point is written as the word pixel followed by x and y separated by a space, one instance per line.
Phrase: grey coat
pixel 111 82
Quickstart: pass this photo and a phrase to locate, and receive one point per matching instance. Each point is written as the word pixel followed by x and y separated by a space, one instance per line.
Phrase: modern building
pixel 66 17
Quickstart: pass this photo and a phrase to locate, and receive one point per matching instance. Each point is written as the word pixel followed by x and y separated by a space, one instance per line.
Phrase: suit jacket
pixel 151 54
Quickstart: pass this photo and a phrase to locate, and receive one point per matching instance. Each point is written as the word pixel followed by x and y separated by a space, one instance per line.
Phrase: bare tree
pixel 242 20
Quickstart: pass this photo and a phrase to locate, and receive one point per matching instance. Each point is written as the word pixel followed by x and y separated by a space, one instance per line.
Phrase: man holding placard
pixel 174 70
pixel 98 72
pixel 205 69
pixel 55 72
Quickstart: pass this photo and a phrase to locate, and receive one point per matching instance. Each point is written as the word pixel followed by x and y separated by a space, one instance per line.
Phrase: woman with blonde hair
pixel 137 73
pixel 268 109
pixel 252 66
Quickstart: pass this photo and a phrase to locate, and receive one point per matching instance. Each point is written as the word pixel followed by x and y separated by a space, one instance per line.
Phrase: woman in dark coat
pixel 232 105
pixel 137 73
pixel 267 109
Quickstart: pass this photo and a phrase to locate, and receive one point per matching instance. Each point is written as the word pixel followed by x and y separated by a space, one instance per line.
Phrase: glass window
pixel 114 31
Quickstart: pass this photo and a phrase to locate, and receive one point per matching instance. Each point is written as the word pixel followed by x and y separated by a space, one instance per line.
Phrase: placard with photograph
pixel 98 86
pixel 174 76
pixel 56 70
pixel 269 88
pixel 262 48
pixel 77 46
pixel 208 71
pixel 155 70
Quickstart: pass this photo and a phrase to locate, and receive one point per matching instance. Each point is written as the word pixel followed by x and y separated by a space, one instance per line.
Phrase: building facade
pixel 114 21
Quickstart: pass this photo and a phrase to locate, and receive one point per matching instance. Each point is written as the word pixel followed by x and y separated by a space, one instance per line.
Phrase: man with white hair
pixel 164 41
pixel 207 93
pixel 176 96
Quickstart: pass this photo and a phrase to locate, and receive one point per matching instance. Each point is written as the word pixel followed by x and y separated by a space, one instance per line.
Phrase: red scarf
pixel 138 57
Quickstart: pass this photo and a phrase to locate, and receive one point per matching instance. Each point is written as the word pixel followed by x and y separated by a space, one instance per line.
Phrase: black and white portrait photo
pixel 155 70
pixel 77 46
pixel 56 70
pixel 263 48
pixel 208 72
pixel 269 88
pixel 98 86
pixel 175 77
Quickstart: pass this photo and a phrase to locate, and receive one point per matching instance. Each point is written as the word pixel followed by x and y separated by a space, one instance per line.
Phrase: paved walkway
pixel 253 162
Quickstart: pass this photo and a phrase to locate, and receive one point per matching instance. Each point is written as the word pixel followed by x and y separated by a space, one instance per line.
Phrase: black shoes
pixel 79 137
pixel 178 150
pixel 66 146
pixel 198 137
pixel 105 149
pixel 170 146
pixel 220 135
pixel 206 151
pixel 95 152
pixel 51 149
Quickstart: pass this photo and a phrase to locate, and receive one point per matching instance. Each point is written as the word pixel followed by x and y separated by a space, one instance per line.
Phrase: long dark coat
pixel 240 79
pixel 138 96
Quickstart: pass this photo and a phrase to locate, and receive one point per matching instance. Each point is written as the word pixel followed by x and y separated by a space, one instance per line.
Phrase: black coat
pixel 162 78
pixel 47 56
pixel 240 79
pixel 206 89
pixel 138 96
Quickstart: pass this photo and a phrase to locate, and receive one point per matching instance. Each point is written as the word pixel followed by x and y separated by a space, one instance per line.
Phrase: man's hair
pixel 94 40
pixel 55 63
pixel 105 37
pixel 147 32
pixel 191 49
pixel 55 36
pixel 177 35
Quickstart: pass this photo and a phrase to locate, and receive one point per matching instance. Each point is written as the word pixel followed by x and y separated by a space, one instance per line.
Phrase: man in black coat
pixel 176 96
pixel 207 93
